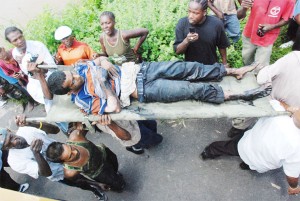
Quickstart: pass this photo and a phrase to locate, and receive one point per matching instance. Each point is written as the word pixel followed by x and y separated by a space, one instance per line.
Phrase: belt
pixel 140 83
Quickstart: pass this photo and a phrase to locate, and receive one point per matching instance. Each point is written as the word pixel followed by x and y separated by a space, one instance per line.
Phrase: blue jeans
pixel 177 81
pixel 149 135
pixel 232 27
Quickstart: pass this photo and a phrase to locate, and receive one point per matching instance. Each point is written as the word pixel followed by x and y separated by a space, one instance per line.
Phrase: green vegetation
pixel 159 16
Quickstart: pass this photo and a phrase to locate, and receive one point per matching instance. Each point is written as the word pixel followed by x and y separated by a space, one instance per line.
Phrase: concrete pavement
pixel 172 170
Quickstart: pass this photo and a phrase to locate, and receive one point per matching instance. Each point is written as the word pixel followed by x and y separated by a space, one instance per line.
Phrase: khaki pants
pixel 253 53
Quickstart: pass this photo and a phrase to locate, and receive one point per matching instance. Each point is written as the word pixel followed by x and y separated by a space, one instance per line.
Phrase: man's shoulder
pixel 183 21
pixel 34 43
pixel 211 20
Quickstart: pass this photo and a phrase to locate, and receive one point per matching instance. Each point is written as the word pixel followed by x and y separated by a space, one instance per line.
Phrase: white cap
pixel 62 32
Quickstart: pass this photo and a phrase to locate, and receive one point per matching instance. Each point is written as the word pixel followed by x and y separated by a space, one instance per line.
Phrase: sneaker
pixel 205 155
pixel 100 195
pixel 135 150
pixel 287 44
pixel 244 166
pixel 23 187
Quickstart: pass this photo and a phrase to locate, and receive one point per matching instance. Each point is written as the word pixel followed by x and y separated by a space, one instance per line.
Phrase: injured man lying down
pixel 100 87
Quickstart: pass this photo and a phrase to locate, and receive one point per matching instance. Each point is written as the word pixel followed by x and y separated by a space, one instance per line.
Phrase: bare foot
pixel 240 72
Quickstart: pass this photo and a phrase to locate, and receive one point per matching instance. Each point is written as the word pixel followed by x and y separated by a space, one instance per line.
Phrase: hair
pixel 54 152
pixel 203 3
pixel 9 30
pixel 109 14
pixel 55 82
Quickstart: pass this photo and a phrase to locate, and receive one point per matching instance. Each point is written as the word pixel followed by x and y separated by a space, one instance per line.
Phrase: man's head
pixel 197 11
pixel 15 36
pixel 63 82
pixel 58 152
pixel 5 55
pixel 64 34
pixel 107 22
pixel 9 140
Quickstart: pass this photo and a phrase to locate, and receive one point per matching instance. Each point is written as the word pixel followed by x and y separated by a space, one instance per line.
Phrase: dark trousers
pixel 149 135
pixel 177 81
pixel 220 148
pixel 293 33
pixel 109 174
pixel 5 180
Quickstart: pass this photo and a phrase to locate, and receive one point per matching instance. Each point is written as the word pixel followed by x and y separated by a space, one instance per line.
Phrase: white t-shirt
pixel 34 87
pixel 284 75
pixel 23 161
pixel 272 143
pixel 34 48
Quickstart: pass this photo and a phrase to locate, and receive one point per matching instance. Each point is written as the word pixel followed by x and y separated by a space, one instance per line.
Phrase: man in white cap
pixel 71 50
pixel 5 180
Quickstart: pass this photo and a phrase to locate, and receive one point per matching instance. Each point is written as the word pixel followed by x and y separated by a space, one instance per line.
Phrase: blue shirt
pixel 92 101
pixel 11 80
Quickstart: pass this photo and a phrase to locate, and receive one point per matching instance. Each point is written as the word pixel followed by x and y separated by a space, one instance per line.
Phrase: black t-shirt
pixel 211 35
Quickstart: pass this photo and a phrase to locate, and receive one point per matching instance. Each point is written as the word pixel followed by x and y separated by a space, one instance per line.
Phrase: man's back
pixel 273 142
pixel 284 75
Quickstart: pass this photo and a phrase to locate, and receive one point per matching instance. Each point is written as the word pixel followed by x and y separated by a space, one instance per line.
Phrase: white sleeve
pixel 45 54
pixel 269 73
pixel 23 165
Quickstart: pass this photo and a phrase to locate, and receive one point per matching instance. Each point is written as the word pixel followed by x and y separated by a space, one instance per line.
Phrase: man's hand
pixel 36 145
pixel 192 37
pixel 111 69
pixel 17 75
pixel 32 67
pixel 20 120
pixel 293 191
pixel 104 120
pixel 95 55
pixel 247 3
pixel 265 27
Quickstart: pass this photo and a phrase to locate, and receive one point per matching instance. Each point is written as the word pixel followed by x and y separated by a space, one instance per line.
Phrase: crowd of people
pixel 104 83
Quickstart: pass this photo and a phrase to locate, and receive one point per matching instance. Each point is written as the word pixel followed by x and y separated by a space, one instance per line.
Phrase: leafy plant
pixel 158 16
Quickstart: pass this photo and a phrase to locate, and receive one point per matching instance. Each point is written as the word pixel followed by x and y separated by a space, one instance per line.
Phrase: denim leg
pixel 151 124
pixel 179 70
pixel 162 90
pixel 232 27
pixel 149 135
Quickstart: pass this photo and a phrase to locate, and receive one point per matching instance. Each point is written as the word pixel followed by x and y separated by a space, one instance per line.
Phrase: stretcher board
pixel 63 110
pixel 9 195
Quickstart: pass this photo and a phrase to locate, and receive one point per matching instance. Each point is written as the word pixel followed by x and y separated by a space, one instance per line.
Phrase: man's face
pixel 70 153
pixel 4 55
pixel 13 141
pixel 195 13
pixel 107 25
pixel 73 81
pixel 17 39
pixel 68 41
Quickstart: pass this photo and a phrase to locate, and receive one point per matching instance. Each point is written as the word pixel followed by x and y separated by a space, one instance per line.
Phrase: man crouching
pixel 81 156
